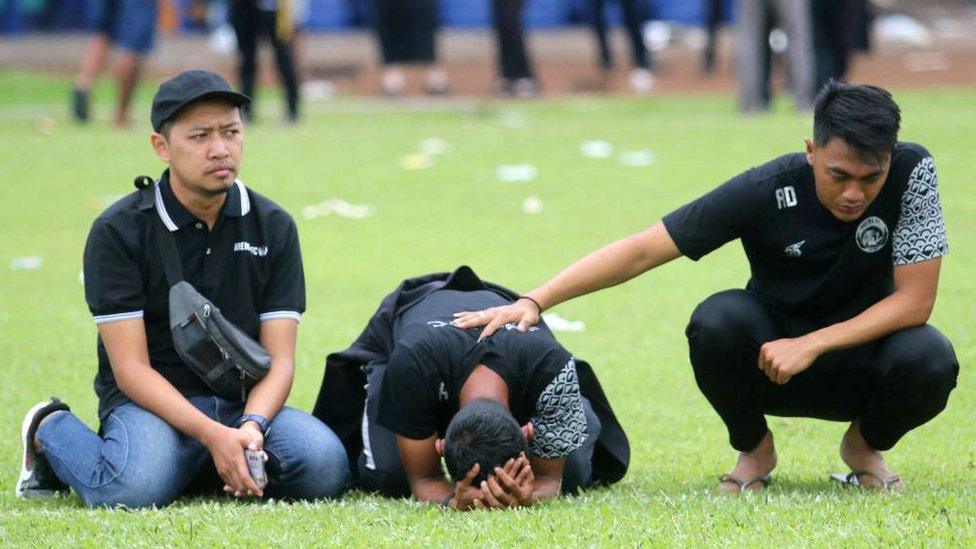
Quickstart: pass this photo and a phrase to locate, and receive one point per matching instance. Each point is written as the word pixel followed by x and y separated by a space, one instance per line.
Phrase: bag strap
pixel 163 237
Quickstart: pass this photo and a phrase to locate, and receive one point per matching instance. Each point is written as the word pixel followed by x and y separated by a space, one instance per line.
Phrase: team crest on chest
pixel 872 234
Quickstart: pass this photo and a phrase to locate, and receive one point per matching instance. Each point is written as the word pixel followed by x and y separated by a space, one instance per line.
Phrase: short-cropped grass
pixel 55 177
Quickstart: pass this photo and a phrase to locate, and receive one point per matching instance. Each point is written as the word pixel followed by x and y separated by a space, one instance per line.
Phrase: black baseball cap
pixel 189 87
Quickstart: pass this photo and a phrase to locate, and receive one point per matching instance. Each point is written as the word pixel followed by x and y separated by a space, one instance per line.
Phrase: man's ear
pixel 528 431
pixel 439 446
pixel 160 145
pixel 809 144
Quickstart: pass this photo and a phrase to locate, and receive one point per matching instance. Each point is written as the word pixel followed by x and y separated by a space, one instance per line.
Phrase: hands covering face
pixel 511 485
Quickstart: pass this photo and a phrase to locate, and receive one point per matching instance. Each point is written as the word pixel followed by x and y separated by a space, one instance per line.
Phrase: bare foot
pixel 755 464
pixel 856 453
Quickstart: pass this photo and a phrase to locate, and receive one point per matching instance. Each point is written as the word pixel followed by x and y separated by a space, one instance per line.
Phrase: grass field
pixel 55 177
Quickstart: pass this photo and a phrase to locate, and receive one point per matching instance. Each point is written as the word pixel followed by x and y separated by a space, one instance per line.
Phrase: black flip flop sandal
pixel 765 480
pixel 853 479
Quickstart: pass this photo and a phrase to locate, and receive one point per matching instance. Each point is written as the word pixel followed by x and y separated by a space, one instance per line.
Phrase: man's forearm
pixel 150 390
pixel 270 394
pixel 611 265
pixel 431 489
pixel 893 313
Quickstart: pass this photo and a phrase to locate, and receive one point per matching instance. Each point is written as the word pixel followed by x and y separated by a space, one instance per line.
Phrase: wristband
pixel 534 302
pixel 446 502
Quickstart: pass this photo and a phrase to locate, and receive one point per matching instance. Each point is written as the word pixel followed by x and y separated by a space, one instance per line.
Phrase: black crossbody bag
pixel 227 359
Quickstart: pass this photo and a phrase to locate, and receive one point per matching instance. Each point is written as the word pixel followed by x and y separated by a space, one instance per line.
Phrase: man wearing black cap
pixel 162 428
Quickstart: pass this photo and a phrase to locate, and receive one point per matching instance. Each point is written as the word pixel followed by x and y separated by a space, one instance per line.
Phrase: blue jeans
pixel 141 461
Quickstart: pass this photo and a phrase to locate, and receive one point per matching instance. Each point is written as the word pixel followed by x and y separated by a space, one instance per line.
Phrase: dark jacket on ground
pixel 343 394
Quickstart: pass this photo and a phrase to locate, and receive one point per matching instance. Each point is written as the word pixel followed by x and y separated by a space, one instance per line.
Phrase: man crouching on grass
pixel 516 418
pixel 845 244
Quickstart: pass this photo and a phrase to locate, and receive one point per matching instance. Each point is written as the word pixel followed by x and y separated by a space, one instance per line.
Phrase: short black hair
pixel 482 432
pixel 865 117
pixel 165 128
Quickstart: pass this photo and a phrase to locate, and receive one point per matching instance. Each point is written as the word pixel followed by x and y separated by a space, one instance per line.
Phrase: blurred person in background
pixel 840 28
pixel 130 25
pixel 406 30
pixel 641 78
pixel 513 59
pixel 274 20
pixel 713 20
pixel 752 52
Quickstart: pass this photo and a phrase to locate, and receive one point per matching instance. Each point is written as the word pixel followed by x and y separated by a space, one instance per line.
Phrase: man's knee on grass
pixel 482 432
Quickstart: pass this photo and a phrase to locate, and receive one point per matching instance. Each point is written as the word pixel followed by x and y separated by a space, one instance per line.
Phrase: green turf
pixel 52 186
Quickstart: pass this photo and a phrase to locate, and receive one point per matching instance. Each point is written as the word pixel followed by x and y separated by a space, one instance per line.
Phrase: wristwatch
pixel 263 423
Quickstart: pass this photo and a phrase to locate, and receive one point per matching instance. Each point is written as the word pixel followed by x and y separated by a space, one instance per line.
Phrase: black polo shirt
pixel 804 260
pixel 249 265
pixel 432 360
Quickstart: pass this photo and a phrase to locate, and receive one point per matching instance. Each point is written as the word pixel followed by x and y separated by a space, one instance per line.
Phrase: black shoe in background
pixel 79 104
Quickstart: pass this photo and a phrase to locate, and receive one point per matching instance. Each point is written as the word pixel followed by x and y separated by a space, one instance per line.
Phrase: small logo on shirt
pixel 785 198
pixel 442 392
pixel 872 234
pixel 259 251
pixel 793 250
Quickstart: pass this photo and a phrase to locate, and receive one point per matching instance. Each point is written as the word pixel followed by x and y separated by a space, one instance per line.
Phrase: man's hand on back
pixel 523 312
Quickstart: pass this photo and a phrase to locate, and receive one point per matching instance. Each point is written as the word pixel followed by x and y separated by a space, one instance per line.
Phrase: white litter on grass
pixel 45 126
pixel 27 263
pixel 512 119
pixel 339 207
pixel 557 323
pixel 596 149
pixel 318 90
pixel 433 146
pixel 81 278
pixel 636 159
pixel 515 173
pixel 416 161
pixel 532 205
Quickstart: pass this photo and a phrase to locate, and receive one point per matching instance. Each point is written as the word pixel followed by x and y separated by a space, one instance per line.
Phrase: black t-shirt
pixel 804 260
pixel 432 359
pixel 249 265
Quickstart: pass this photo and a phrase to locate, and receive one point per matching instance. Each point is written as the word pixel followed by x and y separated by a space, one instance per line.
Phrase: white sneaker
pixel 641 81
pixel 37 479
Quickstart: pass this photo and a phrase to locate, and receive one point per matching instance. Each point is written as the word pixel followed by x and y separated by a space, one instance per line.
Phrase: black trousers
pixel 250 24
pixel 380 469
pixel 633 20
pixel 890 386
pixel 513 58
pixel 406 30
